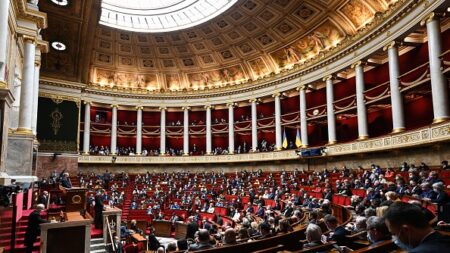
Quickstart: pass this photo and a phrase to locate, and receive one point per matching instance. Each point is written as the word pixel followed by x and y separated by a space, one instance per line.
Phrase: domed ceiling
pixel 251 40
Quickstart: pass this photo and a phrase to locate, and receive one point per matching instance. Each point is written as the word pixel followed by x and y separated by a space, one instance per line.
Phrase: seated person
pixel 411 230
pixel 377 230
pixel 210 208
pixel 313 236
pixel 337 233
pixel 203 241
pixel 134 228
pixel 124 232
pixel 229 237
pixel 264 229
pixel 441 197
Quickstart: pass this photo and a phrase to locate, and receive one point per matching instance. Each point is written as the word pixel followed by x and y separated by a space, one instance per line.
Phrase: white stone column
pixel 398 117
pixel 186 130
pixel 139 130
pixel 230 128
pixel 4 11
pixel 87 127
pixel 331 118
pixel 114 130
pixel 162 145
pixel 37 67
pixel 254 125
pixel 363 130
pixel 303 119
pixel 439 87
pixel 278 134
pixel 208 130
pixel 26 92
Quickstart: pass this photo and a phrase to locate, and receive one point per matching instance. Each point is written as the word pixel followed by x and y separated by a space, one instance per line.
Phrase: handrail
pixel 110 234
pixel 414 69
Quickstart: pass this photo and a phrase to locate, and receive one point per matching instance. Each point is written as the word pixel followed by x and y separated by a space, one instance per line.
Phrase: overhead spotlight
pixel 58 46
pixel 61 2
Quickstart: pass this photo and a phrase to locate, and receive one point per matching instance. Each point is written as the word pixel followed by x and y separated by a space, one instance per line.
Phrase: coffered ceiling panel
pixel 251 40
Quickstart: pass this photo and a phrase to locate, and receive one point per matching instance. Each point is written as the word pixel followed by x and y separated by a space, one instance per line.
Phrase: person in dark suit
pixel 203 241
pixel 33 228
pixel 288 210
pixel 337 233
pixel 313 236
pixel 99 207
pixel 411 230
pixel 43 199
pixel 65 180
pixel 441 196
pixel 192 227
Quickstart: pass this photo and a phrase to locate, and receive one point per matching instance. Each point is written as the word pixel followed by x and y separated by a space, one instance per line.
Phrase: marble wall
pixel 431 155
pixel 19 158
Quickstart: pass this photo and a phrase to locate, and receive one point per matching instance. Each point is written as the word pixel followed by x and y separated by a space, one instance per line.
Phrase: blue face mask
pixel 400 244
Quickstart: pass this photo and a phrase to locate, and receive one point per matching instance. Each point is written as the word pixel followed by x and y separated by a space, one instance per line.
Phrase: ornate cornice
pixel 40 18
pixel 59 97
pixel 380 25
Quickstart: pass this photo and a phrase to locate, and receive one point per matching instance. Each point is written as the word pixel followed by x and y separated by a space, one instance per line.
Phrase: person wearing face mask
pixel 441 196
pixel 411 230
pixel 377 230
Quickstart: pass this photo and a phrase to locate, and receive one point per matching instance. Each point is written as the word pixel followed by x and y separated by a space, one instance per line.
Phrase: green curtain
pixel 57 125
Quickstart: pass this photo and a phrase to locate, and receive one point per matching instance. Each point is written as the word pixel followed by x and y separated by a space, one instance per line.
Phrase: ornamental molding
pixel 384 28
pixel 33 14
pixel 428 135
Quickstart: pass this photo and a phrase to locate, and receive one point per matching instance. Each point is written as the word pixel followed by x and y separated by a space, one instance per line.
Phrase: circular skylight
pixel 160 15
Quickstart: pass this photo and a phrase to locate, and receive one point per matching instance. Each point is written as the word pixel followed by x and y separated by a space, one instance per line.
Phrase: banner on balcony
pixel 57 125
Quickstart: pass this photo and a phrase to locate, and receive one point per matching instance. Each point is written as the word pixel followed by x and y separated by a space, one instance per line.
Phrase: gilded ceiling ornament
pixel 56 116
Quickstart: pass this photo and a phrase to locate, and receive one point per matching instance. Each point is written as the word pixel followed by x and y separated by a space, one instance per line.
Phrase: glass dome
pixel 156 16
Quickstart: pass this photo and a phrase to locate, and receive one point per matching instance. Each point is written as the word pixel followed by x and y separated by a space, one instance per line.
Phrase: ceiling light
pixel 59 46
pixel 61 2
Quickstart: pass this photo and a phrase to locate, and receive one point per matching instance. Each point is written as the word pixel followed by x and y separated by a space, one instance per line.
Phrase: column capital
pixel 114 106
pixel 391 45
pixel 430 17
pixel 139 107
pixel 302 87
pixel 329 77
pixel 254 100
pixel 186 108
pixel 162 108
pixel 358 63
pixel 231 104
pixel 276 94
pixel 208 106
pixel 87 102
pixel 28 38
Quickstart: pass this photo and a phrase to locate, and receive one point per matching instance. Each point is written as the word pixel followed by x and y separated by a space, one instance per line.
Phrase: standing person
pixel 99 207
pixel 33 228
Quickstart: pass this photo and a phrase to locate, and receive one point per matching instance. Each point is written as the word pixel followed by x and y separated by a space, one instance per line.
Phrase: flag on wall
pixel 298 141
pixel 285 141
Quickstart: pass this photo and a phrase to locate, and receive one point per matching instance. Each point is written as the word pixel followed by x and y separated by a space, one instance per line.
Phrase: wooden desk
pixel 138 238
pixel 162 228
pixel 71 236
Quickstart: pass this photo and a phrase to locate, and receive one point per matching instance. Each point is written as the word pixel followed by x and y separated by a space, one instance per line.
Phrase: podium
pixel 75 199
pixel 70 236
pixel 111 224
